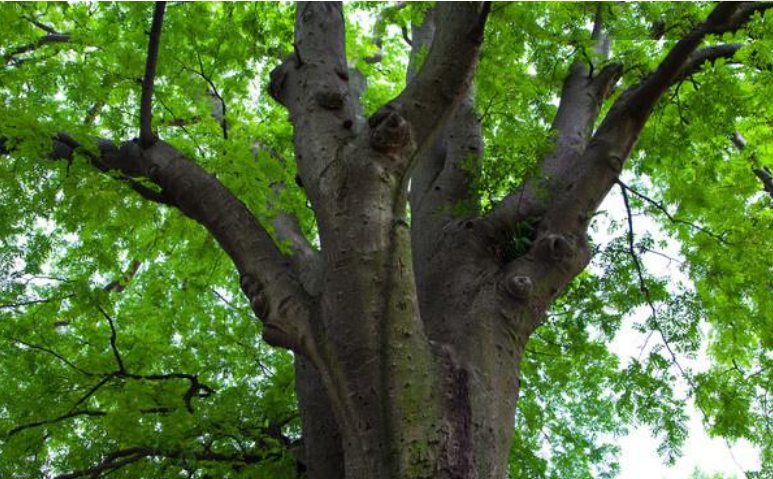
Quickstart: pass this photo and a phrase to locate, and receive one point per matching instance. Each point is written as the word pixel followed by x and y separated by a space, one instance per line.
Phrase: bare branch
pixel 146 100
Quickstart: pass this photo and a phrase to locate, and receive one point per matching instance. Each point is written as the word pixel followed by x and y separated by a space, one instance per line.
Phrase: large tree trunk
pixel 417 346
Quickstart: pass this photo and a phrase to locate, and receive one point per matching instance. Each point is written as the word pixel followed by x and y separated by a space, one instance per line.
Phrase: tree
pixel 418 283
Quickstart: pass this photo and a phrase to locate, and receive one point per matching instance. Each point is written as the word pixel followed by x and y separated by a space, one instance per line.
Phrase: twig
pixel 113 346
pixel 659 206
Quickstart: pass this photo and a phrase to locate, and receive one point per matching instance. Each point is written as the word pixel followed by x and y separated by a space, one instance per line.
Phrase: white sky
pixel 639 458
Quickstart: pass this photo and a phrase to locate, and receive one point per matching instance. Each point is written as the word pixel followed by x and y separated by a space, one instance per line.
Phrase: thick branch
pixel 583 183
pixel 274 293
pixel 433 95
pixel 315 85
pixel 582 96
pixel 708 55
pixel 44 40
pixel 146 100
pixel 561 207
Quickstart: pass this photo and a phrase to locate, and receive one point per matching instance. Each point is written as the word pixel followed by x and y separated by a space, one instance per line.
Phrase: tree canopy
pixel 128 347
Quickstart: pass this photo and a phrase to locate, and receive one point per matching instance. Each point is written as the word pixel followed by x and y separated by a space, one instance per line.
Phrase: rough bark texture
pixel 408 336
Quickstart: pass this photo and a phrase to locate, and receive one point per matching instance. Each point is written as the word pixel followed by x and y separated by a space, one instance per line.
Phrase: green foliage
pixel 67 231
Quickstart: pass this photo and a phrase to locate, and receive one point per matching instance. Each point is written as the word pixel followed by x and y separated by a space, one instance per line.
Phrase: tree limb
pixel 315 85
pixel 582 183
pixel 146 100
pixel 267 280
pixel 708 54
pixel 432 96
pixel 44 40
pixel 582 96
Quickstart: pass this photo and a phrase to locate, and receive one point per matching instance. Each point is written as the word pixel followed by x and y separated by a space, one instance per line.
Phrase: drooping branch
pixel 146 100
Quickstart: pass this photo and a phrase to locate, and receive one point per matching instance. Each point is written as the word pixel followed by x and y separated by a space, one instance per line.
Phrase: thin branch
pixel 113 346
pixel 93 390
pixel 53 353
pixel 147 138
pixel 660 207
pixel 125 457
pixel 46 28
pixel 64 417
pixel 20 304
pixel 646 292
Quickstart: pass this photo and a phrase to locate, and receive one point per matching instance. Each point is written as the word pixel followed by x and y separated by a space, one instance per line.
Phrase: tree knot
pixel 278 78
pixel 254 291
pixel 330 98
pixel 556 248
pixel 389 131
pixel 517 286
